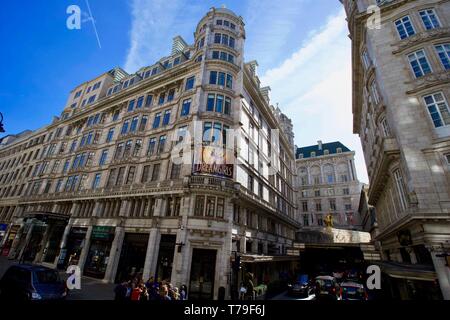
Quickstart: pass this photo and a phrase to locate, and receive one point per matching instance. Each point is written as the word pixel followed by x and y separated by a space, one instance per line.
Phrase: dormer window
pixel 339 150
pixel 326 152
pixel 300 156
pixel 313 154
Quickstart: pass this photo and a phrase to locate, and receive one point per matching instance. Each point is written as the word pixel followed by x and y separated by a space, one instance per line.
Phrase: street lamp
pixel 1 123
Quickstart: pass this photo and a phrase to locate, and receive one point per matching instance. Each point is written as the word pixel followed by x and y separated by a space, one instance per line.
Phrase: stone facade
pixel 327 184
pixel 401 112
pixel 124 172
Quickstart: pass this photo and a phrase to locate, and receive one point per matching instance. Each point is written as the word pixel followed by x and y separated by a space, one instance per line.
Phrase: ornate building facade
pixel 327 185
pixel 401 63
pixel 169 172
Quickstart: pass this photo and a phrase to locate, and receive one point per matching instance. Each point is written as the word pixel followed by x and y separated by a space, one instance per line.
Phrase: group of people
pixel 138 290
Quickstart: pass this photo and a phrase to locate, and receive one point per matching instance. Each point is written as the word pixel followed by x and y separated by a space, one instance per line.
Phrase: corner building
pixel 169 172
pixel 401 112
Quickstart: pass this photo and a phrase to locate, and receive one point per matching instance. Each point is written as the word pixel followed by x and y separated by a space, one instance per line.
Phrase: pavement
pixel 285 296
pixel 91 289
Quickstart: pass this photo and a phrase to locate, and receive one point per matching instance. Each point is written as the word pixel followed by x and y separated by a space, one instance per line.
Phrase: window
pixel 385 127
pixel 438 109
pixel 176 61
pixel 305 206
pixel 305 220
pixel 400 188
pixel 213 77
pixel 429 19
pixel 346 191
pixel 162 98
pixel 366 60
pixel 404 27
pixel 182 131
pixel 220 207
pixel 210 206
pixel 199 206
pixel 119 150
pixel 157 120
pixel 171 95
pixel 145 174
pixel 125 127
pixel 127 150
pixel 162 143
pixel 443 51
pixel 250 184
pixel 317 193
pixel 318 206
pixel 148 101
pixel 116 115
pixel 130 176
pixel 447 158
pixel 374 91
pixel 419 63
pixel 96 181
pixel 131 105
pixel 110 135
pixel 185 108
pixel 143 123
pixel 77 94
pixel 103 158
pixel 151 146
pixel 120 176
pixel 140 102
pixel 175 172
pixel 155 173
pixel 166 118
pixel 134 124
pixel 332 204
pixel 190 83
pixel 137 148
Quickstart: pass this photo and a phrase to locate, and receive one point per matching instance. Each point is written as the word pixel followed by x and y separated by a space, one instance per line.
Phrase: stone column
pixel 40 255
pixel 63 242
pixel 151 257
pixel 442 270
pixel 27 240
pixel 85 247
pixel 114 255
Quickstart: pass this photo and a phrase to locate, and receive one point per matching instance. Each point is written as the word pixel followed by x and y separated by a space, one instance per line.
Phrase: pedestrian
pixel 144 294
pixel 136 293
pixel 183 292
pixel 164 293
pixel 121 291
pixel 176 294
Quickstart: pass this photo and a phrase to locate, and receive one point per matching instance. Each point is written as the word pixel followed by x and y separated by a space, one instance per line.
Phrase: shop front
pixel 132 256
pixel 165 257
pixel 203 271
pixel 70 254
pixel 99 250
pixel 51 250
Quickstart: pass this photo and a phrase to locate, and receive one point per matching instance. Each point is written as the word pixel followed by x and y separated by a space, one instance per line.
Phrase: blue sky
pixel 301 46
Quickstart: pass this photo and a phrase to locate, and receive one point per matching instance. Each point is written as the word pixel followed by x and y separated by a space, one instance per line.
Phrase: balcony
pixel 419 38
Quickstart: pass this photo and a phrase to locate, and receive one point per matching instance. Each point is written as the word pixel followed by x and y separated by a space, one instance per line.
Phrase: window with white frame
pixel 405 27
pixel 400 188
pixel 385 127
pixel 443 51
pixel 374 91
pixel 419 63
pixel 430 19
pixel 366 60
pixel 438 109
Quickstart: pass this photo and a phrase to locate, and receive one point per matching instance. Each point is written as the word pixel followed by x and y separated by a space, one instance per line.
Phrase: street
pixel 91 289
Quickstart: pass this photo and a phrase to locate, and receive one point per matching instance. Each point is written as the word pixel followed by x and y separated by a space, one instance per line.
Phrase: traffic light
pixel 237 263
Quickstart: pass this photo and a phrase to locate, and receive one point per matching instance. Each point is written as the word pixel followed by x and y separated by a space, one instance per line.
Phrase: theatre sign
pixel 213 162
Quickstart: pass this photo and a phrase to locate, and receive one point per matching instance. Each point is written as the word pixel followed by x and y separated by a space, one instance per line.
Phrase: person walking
pixel 183 292
pixel 164 293
pixel 136 293
pixel 121 291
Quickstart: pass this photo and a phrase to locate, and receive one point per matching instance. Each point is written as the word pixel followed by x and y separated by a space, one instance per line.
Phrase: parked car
pixel 301 288
pixel 353 291
pixel 32 282
pixel 326 287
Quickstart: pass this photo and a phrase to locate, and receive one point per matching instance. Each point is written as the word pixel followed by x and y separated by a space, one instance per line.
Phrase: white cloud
pixel 313 87
pixel 153 22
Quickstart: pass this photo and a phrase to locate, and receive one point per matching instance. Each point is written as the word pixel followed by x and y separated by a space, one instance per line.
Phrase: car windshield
pixel 350 292
pixel 47 276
